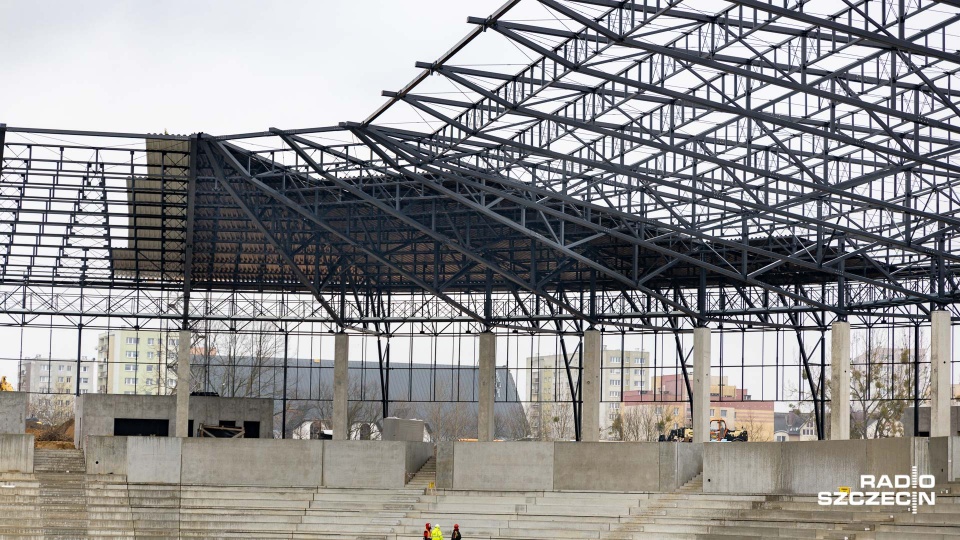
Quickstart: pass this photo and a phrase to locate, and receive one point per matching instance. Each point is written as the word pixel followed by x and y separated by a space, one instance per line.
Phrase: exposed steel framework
pixel 658 165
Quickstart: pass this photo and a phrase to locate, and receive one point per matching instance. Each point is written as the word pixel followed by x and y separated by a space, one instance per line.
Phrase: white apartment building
pixel 137 361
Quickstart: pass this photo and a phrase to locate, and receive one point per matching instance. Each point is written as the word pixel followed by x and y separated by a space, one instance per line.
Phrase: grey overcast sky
pixel 213 65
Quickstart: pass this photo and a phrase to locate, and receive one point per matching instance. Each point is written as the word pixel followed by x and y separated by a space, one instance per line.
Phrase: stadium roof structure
pixel 653 165
pixel 704 160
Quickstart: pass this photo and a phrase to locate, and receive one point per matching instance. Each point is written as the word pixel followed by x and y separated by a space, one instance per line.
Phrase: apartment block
pixel 137 361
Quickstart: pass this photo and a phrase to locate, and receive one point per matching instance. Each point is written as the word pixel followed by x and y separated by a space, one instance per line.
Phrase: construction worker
pixel 437 533
pixel 426 532
pixel 456 532
pixel 4 385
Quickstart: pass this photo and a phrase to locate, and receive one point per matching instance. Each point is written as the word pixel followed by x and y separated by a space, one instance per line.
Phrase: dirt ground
pixel 53 437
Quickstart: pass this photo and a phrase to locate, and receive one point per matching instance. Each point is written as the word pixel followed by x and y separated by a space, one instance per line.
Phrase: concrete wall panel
pixel 153 460
pixel 252 462
pixel 813 466
pixel 13 412
pixel 507 466
pixel 369 464
pixel 585 466
pixel 445 464
pixel 742 467
pixel 106 455
pixel 16 453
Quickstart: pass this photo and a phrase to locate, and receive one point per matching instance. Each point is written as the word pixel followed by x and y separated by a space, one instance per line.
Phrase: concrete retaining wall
pixel 546 466
pixel 16 453
pixel 503 466
pixel 257 462
pixel 13 412
pixel 804 467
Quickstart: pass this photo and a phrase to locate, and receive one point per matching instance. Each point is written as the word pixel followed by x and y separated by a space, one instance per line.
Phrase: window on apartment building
pixel 45 379
pixel 131 354
pixel 712 413
pixel 59 379
pixel 636 384
pixel 723 413
pixel 614 382
pixel 149 382
pixel 638 361
pixel 615 406
pixel 84 369
pixel 69 378
pixel 130 367
pixel 614 359
pixel 781 438
pixel 133 341
pixel 60 368
pixel 44 368
pixel 83 391
pixel 612 416
pixel 151 341
pixel 150 355
pixel 170 382
pixel 636 372
pixel 614 394
pixel 149 368
pixel 84 380
pixel 130 380
pixel 173 342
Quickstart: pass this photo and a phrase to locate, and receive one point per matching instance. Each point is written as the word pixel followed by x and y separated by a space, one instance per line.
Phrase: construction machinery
pixel 718 433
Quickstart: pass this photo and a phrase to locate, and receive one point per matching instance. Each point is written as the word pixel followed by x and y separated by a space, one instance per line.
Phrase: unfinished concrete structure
pixel 684 172
pixel 109 415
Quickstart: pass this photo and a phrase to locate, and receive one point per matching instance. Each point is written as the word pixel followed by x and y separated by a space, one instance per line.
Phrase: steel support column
pixel 940 374
pixel 486 421
pixel 701 385
pixel 341 386
pixel 840 381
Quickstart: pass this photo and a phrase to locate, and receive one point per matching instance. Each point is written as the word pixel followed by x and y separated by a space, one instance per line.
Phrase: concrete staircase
pixel 691 514
pixel 62 494
pixel 57 504
pixel 425 476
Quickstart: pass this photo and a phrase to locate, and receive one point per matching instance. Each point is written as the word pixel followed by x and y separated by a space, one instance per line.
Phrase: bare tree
pixel 448 419
pixel 53 408
pixel 882 387
pixel 757 431
pixel 645 422
pixel 511 422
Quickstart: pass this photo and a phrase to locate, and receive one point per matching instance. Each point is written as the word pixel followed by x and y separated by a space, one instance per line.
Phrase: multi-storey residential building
pixel 137 361
pixel 52 383
pixel 57 376
pixel 550 410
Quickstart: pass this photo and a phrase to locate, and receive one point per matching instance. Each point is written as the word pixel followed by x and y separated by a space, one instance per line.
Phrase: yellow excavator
pixel 4 385
pixel 718 432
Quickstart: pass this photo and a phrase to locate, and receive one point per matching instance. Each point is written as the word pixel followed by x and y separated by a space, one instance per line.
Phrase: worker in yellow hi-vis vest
pixel 436 534
pixel 4 385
